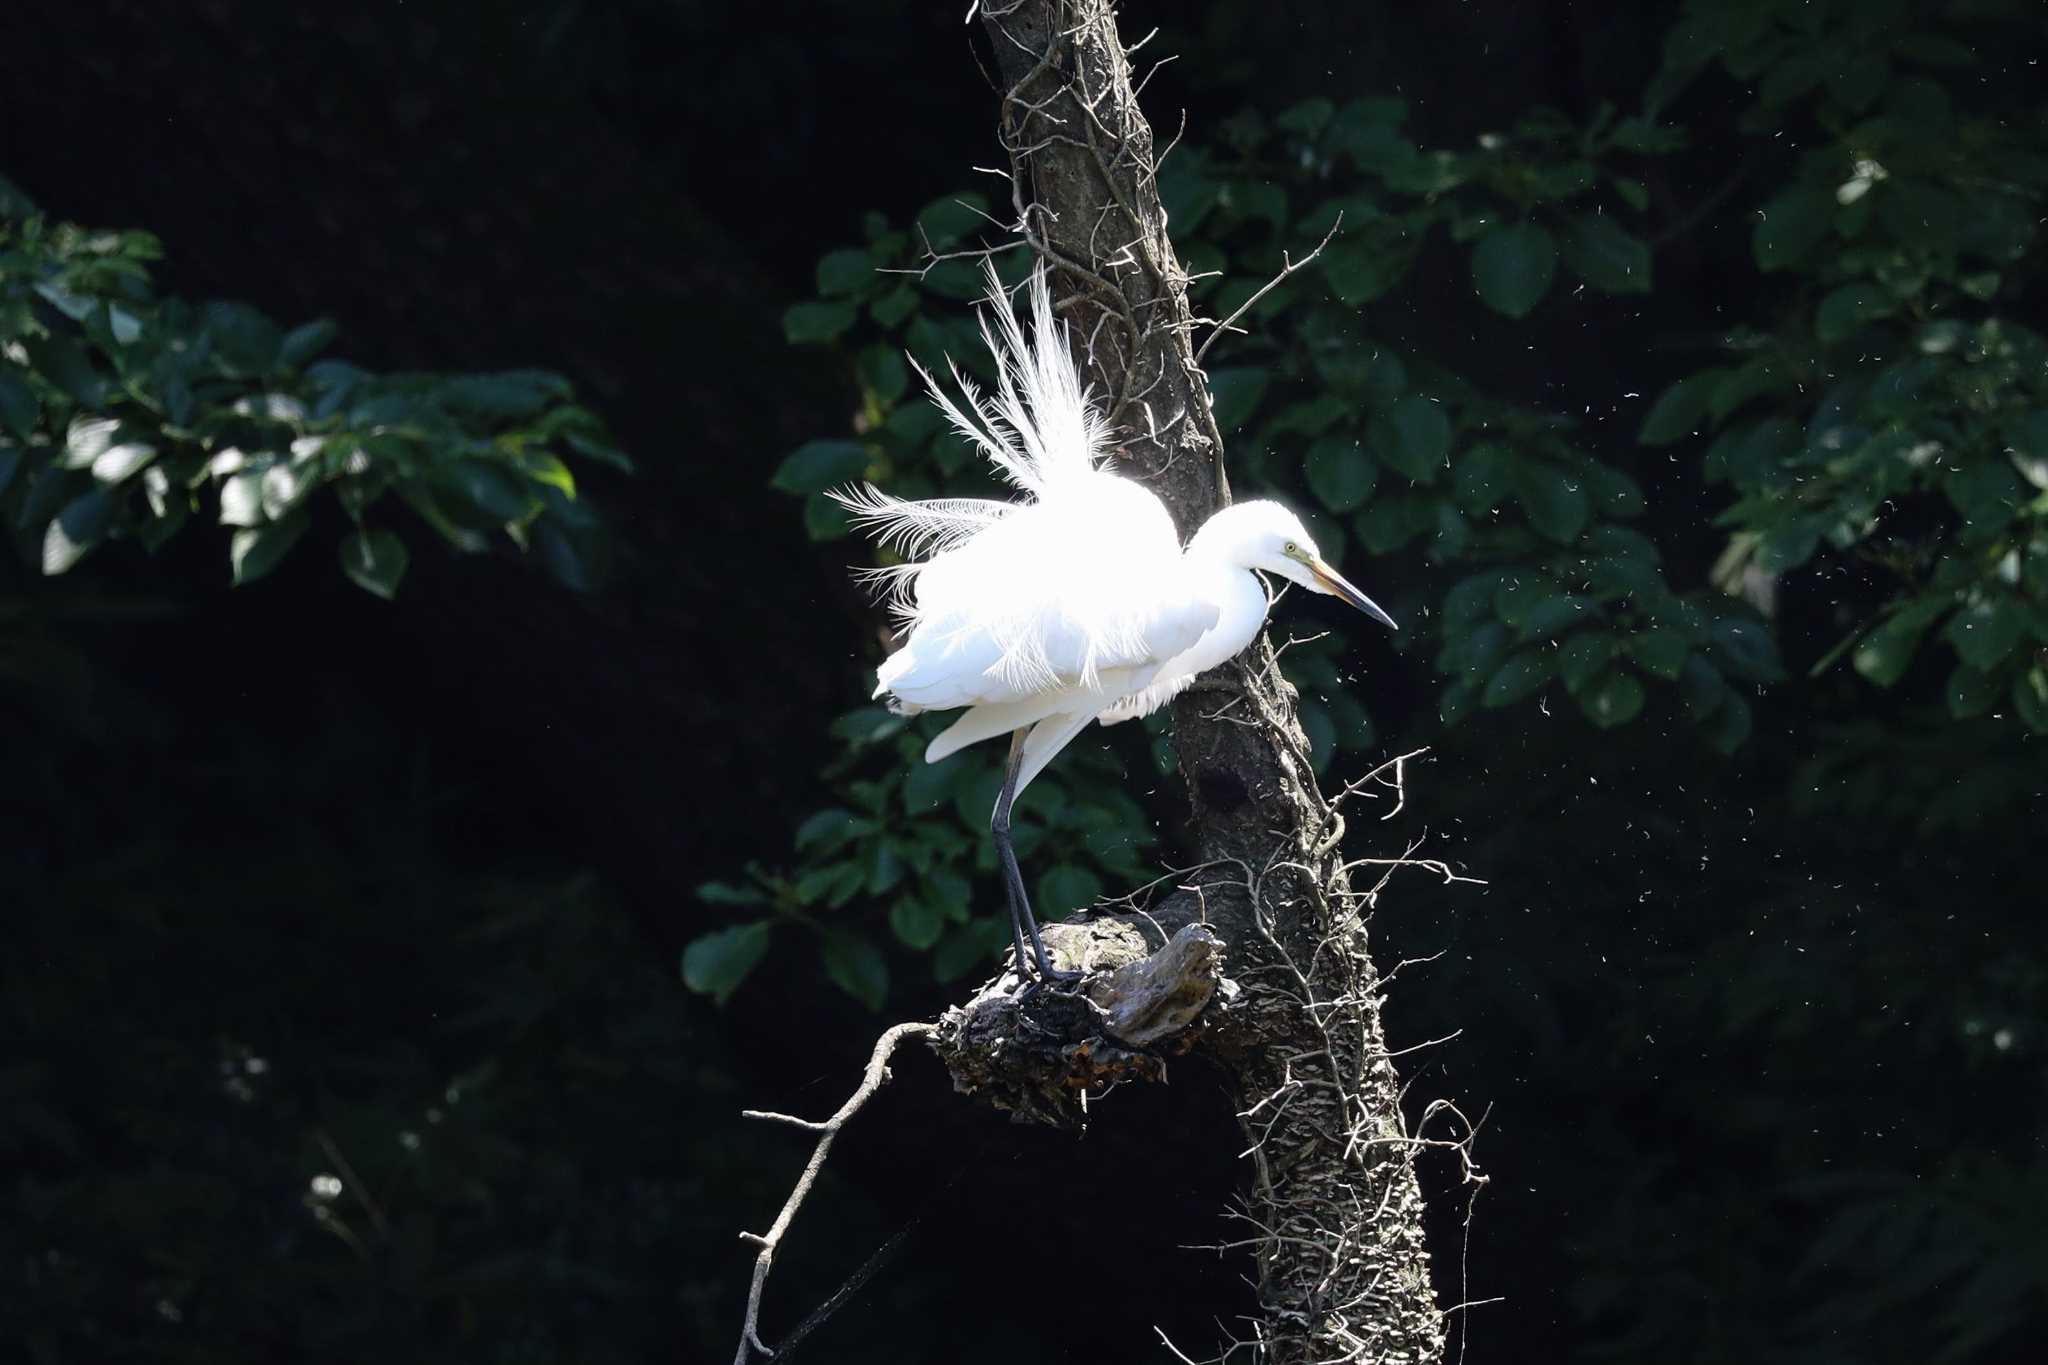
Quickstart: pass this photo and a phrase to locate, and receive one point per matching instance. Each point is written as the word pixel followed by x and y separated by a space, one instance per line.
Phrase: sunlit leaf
pixel 255 551
pixel 374 561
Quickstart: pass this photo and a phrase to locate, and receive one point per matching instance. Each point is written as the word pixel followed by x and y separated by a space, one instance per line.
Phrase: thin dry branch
pixel 827 1129
pixel 1287 267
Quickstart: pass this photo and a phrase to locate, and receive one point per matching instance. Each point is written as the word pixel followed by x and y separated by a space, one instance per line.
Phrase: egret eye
pixel 1291 549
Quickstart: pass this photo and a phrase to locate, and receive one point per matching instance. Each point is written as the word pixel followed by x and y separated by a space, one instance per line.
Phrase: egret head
pixel 1269 538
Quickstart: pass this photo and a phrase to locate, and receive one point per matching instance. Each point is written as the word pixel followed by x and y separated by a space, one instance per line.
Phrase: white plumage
pixel 1075 602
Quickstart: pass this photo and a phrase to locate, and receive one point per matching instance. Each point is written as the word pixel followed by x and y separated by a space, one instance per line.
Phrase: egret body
pixel 1074 603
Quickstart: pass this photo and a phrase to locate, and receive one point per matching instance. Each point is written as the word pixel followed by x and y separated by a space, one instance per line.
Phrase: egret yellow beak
pixel 1336 585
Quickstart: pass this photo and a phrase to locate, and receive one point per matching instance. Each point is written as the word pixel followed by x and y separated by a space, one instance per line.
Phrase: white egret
pixel 1076 602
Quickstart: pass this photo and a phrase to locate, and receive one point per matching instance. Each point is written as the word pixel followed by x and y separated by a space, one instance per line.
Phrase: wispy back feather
pixel 1038 429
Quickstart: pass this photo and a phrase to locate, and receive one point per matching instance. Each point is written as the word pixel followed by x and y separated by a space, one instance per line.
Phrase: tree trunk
pixel 1333 1212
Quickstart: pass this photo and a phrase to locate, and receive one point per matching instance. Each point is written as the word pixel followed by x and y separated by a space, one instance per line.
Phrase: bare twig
pixel 871 1081
pixel 1287 267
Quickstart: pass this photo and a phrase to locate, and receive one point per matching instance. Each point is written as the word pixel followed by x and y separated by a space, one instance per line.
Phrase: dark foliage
pixel 1690 404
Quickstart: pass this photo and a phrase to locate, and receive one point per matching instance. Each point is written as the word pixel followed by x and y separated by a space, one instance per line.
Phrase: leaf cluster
pixel 124 415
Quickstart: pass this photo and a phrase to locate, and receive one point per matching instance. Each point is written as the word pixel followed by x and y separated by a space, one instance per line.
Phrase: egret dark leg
pixel 1022 923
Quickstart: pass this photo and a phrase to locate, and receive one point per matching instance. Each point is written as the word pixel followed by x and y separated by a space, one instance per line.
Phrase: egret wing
pixel 1073 596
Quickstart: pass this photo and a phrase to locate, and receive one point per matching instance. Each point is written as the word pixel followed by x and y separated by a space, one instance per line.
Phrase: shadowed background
pixel 302 882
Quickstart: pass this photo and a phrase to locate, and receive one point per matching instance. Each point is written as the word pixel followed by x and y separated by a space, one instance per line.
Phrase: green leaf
pixel 1848 308
pixel 62 361
pixel 826 830
pixel 506 395
pixel 1583 656
pixel 1339 473
pixel 77 529
pixel 1604 256
pixel 1554 616
pixel 1392 522
pixel 1986 632
pixel 847 271
pixel 857 967
pixel 1470 601
pixel 13 203
pixel 884 868
pixel 1616 699
pixel 1480 476
pixel 1971 692
pixel 1473 651
pixel 725 893
pixel 374 561
pixel 2030 697
pixel 1235 394
pixel 1554 502
pixel 493 490
pixel 1362 271
pixel 591 449
pixel 1659 651
pixel 950 893
pixel 1521 593
pixel 867 725
pixel 1728 726
pixel 1311 418
pixel 816 466
pixel 574 556
pixel 810 322
pixel 1987 492
pixel 927 786
pixel 1884 654
pixel 893 307
pixel 1745 648
pixel 1790 226
pixel 118 462
pixel 88 438
pixel 1512 268
pixel 917 925
pixel 304 342
pixel 881 369
pixel 975 788
pixel 1679 410
pixel 945 221
pixel 825 519
pixel 1319 729
pixel 255 551
pixel 1415 437
pixel 245 343
pixel 242 498
pixel 1065 888
pixel 969 945
pixel 19 406
pixel 715 964
pixel 1307 117
pixel 1522 674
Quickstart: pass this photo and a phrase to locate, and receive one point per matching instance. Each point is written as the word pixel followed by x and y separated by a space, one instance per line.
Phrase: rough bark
pixel 1332 1210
